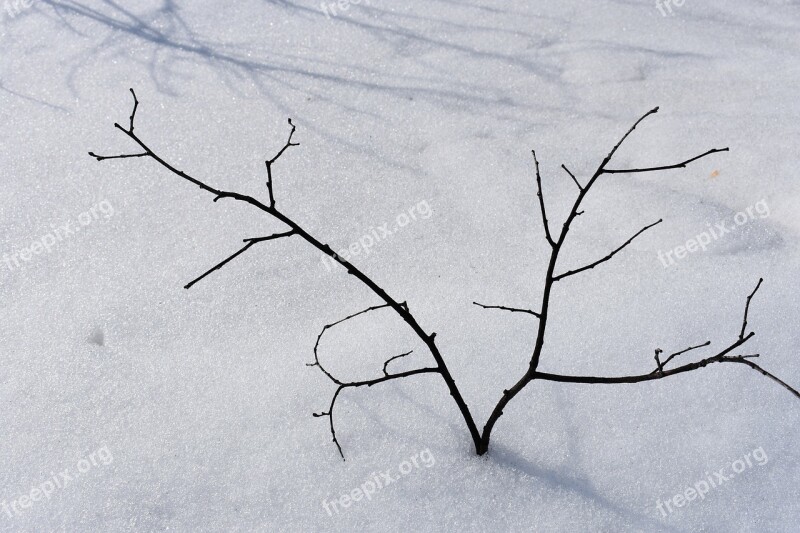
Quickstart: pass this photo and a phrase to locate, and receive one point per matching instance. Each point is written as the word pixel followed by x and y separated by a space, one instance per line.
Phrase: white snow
pixel 203 398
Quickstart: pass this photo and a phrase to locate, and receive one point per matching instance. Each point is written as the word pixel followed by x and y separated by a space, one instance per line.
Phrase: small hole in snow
pixel 97 337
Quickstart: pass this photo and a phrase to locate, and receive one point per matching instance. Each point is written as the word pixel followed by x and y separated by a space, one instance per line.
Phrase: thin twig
pixel 541 202
pixel 672 356
pixel 609 256
pixel 270 162
pixel 366 383
pixel 504 308
pixel 571 175
pixel 664 167
pixel 659 364
pixel 638 378
pixel 341 385
pixel 250 242
pixel 747 307
pixel 124 156
pixel 386 364
pixel 135 106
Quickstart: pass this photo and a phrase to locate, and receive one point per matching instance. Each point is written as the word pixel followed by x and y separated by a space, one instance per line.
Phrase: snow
pixel 202 397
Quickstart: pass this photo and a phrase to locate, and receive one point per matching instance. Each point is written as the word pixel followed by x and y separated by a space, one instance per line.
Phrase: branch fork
pixel 480 438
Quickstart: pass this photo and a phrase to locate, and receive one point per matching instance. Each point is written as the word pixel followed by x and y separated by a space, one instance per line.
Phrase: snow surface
pixel 203 398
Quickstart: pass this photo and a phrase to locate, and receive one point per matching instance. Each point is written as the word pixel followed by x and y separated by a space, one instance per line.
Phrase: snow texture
pixel 193 408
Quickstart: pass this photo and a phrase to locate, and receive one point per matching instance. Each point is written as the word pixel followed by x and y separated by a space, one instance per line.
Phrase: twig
pixel 135 107
pixel 541 201
pixel 504 308
pixel 571 175
pixel 609 256
pixel 747 307
pixel 341 385
pixel 250 242
pixel 366 383
pixel 672 356
pixel 721 357
pixel 124 156
pixel 386 364
pixel 659 365
pixel 270 162
pixel 664 167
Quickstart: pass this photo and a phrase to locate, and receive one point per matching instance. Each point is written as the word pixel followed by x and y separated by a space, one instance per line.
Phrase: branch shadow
pixel 165 42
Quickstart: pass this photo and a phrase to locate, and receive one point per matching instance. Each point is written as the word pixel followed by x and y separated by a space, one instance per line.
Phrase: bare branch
pixel 250 242
pixel 401 309
pixel 595 380
pixel 606 258
pixel 480 439
pixel 655 376
pixel 135 106
pixel 541 202
pixel 504 308
pixel 571 175
pixel 386 364
pixel 269 163
pixel 124 156
pixel 660 373
pixel 341 385
pixel 659 364
pixel 664 167
pixel 366 383
pixel 745 361
pixel 747 307
pixel 510 393
pixel 622 140
pixel 672 356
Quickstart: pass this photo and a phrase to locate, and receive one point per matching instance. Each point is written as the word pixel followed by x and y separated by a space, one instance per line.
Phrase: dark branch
pixel 135 106
pixel 341 385
pixel 124 156
pixel 512 309
pixel 673 356
pixel 622 140
pixel 367 383
pixel 541 202
pixel 747 307
pixel 481 440
pixel 531 373
pixel 571 175
pixel 664 167
pixel 659 365
pixel 270 162
pixel 401 309
pixel 655 376
pixel 660 373
pixel 594 380
pixel 606 258
pixel 745 361
pixel 386 364
pixel 270 237
pixel 250 242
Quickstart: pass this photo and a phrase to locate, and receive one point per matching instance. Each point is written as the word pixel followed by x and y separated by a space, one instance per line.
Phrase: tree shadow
pixel 171 47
